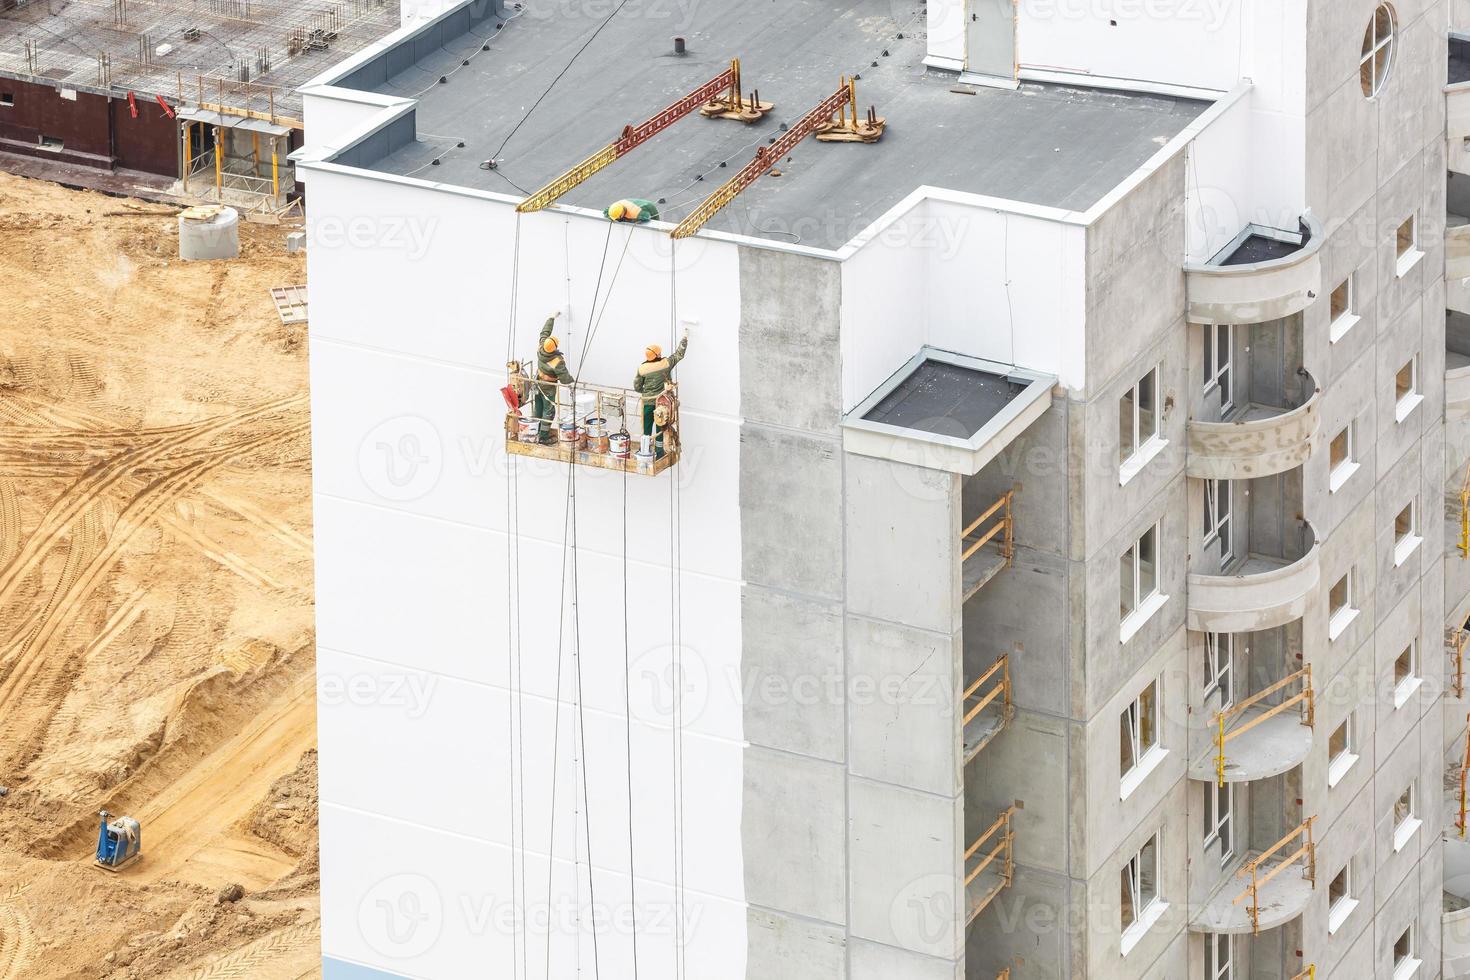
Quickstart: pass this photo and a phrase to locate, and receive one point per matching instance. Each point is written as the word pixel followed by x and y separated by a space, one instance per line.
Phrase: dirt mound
pixel 156 647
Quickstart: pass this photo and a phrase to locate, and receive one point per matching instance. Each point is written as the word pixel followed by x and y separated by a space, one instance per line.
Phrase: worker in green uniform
pixel 551 369
pixel 653 376
pixel 633 210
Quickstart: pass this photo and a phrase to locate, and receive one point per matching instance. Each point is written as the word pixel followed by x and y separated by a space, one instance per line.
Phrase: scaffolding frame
pixel 1006 525
pixel 1304 697
pixel 622 403
pixel 1310 973
pixel 1460 821
pixel 1307 853
pixel 1003 850
pixel 1456 638
pixel 1001 689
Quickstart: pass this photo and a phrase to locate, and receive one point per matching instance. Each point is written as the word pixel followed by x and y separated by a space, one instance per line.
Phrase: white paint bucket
pixel 618 444
pixel 644 461
pixel 572 435
pixel 596 426
pixel 529 430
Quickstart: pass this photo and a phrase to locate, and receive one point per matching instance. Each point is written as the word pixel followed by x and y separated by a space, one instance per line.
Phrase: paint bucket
pixel 529 430
pixel 618 444
pixel 597 444
pixel 644 461
pixel 596 426
pixel 572 436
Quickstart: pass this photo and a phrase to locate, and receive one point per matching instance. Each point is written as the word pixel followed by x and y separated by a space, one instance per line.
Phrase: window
pixel 1406 533
pixel 1218 494
pixel 1138 729
pixel 1219 808
pixel 1406 389
pixel 1140 881
pixel 1342 457
pixel 1341 750
pixel 1340 901
pixel 1340 611
pixel 1343 307
pixel 1406 674
pixel 1138 418
pixel 1218 342
pixel 1405 819
pixel 1404 961
pixel 1408 236
pixel 1139 581
pixel 50 142
pixel 1218 964
pixel 7 99
pixel 1220 666
pixel 1377 55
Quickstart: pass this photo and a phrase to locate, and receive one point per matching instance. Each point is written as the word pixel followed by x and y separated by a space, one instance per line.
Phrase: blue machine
pixel 119 843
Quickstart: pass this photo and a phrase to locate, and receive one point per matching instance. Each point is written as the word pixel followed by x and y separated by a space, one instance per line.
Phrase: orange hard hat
pixel 549 345
pixel 653 352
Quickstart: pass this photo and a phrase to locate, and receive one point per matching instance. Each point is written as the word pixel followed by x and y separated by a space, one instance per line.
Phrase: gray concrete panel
pixel 791 510
pixel 793 819
pixel 793 673
pixel 782 946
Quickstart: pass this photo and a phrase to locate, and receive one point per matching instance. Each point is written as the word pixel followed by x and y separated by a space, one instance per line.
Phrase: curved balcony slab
pixel 1260 442
pixel 1274 746
pixel 1279 901
pixel 1257 292
pixel 1261 594
pixel 1456 387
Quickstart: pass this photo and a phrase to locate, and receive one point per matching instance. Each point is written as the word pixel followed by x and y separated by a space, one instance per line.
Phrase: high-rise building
pixel 1045 573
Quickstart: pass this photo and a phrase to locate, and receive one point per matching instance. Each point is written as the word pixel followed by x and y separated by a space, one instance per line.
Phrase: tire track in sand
pixel 103 476
pixel 31 667
pixel 287 954
pixel 17 938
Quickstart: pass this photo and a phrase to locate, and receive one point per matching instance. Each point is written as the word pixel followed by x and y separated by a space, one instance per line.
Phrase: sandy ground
pixel 156 653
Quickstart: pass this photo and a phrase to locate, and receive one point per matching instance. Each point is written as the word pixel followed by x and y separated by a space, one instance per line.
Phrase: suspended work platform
pixel 591 425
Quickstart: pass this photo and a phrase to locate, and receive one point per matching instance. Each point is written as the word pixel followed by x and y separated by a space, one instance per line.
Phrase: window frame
pixel 1220 824
pixel 1220 671
pixel 1344 321
pixel 1404 687
pixel 1214 969
pixel 1406 827
pixel 1132 892
pixel 1144 444
pixel 1338 909
pixel 1220 374
pixel 1406 965
pixel 1339 619
pixel 1373 45
pixel 1138 732
pixel 1339 473
pixel 1143 603
pixel 1405 542
pixel 1338 763
pixel 1219 516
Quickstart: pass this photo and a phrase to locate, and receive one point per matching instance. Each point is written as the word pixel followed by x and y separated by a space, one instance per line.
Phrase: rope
pixel 537 103
pixel 556 715
pixel 676 628
pixel 515 717
pixel 581 718
pixel 628 730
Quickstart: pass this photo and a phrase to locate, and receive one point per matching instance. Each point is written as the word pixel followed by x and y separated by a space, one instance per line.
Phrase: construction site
pixel 837 489
pixel 196 101
pixel 156 656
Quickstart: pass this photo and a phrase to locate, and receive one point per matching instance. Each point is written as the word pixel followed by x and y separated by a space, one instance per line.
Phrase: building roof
pixel 1047 145
pixel 205 46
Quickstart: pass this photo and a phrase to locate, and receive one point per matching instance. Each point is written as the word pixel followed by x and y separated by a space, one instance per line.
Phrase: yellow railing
pixel 1000 689
pixel 1465 515
pixel 1460 821
pixel 996 844
pixel 1310 973
pixel 1004 526
pixel 1455 640
pixel 1304 697
pixel 1261 874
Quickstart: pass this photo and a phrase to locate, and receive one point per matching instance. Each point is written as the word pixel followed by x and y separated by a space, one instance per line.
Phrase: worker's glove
pixel 560 314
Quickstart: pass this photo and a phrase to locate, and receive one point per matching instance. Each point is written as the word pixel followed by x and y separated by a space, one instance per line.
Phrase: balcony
pixel 1260 592
pixel 990 865
pixel 1256 739
pixel 988 545
pixel 1264 274
pixel 986 707
pixel 590 425
pixel 1278 886
pixel 1257 439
